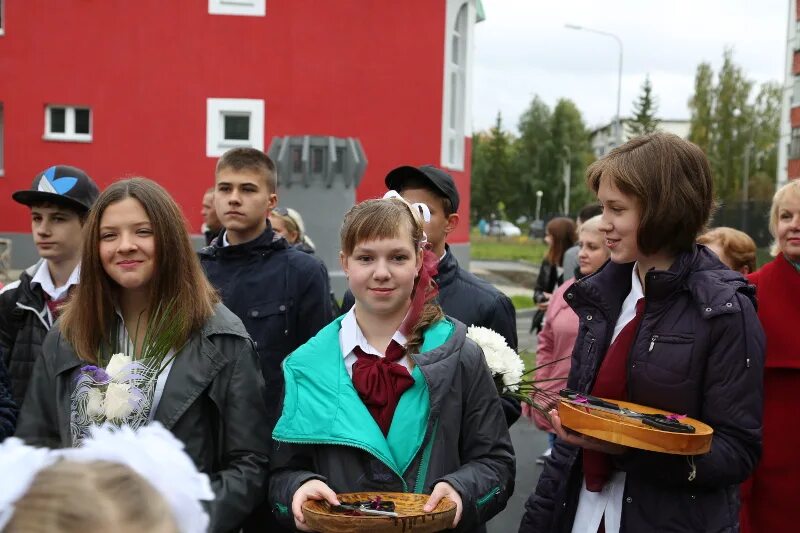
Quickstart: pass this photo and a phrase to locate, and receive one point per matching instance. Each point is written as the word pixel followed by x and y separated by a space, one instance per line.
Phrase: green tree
pixel 700 105
pixel 533 154
pixel 732 117
pixel 763 142
pixel 492 167
pixel 570 139
pixel 644 111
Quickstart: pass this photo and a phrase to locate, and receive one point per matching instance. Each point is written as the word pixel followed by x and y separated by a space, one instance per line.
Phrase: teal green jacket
pixel 448 426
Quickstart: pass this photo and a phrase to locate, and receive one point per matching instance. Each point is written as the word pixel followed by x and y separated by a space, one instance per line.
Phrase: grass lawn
pixel 522 302
pixel 507 248
pixel 529 358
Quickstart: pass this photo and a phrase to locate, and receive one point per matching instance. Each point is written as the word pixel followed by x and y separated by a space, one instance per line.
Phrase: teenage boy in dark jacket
pixel 279 293
pixel 59 200
pixel 462 295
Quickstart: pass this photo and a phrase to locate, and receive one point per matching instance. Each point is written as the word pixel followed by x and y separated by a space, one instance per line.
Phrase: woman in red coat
pixel 769 497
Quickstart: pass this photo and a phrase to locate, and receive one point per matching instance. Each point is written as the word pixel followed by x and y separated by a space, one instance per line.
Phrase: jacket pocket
pixel 669 357
pixel 268 324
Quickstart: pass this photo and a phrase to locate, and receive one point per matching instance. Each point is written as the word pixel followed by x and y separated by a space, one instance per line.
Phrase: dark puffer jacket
pixel 281 295
pixel 24 324
pixel 212 402
pixel 8 409
pixel 700 351
pixel 447 427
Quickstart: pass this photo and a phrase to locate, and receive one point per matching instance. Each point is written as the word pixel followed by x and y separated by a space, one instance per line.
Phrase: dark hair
pixel 590 211
pixel 670 178
pixel 250 160
pixel 417 182
pixel 562 229
pixel 82 214
pixel 383 219
pixel 180 280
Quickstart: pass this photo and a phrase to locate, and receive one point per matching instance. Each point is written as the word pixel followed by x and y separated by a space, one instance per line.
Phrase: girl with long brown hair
pixel 392 396
pixel 138 262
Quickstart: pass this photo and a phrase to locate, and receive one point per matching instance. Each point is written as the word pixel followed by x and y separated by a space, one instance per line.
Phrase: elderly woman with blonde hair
pixel 768 497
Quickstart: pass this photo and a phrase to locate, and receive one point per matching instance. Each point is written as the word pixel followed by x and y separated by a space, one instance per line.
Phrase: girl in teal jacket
pixel 391 396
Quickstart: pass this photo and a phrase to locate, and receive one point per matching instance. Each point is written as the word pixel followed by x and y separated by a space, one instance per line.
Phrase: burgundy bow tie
pixel 381 381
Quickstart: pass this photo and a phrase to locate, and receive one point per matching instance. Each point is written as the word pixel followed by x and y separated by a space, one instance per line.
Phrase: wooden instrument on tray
pixel 633 425
pixel 410 518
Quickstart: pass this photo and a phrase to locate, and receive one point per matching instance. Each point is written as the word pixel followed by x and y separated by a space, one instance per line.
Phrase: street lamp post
pixel 617 123
pixel 567 178
pixel 538 204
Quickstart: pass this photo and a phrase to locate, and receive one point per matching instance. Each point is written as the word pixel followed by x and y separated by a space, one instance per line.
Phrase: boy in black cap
pixel 462 295
pixel 59 200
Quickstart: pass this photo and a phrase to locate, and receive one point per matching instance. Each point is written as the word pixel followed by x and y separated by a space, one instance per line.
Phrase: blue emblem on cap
pixel 50 184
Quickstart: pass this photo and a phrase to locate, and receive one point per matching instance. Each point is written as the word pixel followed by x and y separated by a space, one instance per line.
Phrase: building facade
pixel 162 89
pixel 603 139
pixel 789 145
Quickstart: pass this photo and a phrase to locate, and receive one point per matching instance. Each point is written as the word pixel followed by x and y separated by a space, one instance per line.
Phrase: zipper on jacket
pixel 488 496
pixel 352 445
pixel 653 340
pixel 426 458
pixel 282 509
pixel 35 312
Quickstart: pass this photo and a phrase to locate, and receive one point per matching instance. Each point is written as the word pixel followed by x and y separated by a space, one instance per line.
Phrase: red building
pixel 160 89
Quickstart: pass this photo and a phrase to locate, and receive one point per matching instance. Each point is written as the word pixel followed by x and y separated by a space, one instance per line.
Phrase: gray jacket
pixel 463 440
pixel 213 402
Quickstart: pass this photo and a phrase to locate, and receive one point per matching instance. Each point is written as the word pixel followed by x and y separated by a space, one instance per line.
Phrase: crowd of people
pixel 237 369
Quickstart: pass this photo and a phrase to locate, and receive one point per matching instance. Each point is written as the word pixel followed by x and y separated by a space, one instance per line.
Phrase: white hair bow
pixel 423 209
pixel 151 451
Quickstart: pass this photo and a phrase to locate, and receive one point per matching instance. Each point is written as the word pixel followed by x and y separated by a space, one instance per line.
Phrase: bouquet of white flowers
pixel 120 392
pixel 509 372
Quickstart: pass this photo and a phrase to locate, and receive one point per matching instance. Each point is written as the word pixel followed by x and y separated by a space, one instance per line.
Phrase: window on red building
pixel 232 123
pixel 455 91
pixel 2 17
pixel 67 123
pixel 252 8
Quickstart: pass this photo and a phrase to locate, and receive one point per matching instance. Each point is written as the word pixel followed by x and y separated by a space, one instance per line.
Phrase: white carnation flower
pixel 502 360
pixel 118 404
pixel 116 365
pixel 94 405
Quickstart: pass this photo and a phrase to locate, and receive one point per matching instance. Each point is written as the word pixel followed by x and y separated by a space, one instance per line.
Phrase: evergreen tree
pixel 644 111
pixel 700 105
pixel 492 170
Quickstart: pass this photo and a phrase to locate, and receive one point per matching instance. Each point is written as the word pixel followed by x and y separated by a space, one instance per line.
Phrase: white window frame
pixel 69 134
pixel 246 8
pixel 457 82
pixel 217 109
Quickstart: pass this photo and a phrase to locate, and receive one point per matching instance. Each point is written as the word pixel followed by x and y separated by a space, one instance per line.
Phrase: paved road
pixel 529 443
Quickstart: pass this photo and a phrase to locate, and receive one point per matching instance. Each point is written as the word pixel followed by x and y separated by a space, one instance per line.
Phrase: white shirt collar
pixel 45 281
pixel 225 239
pixel 628 311
pixel 351 336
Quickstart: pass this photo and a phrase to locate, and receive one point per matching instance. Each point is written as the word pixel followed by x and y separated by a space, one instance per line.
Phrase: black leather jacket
pixel 213 402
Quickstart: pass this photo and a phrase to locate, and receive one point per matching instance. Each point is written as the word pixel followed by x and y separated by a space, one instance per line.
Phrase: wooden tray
pixel 631 432
pixel 411 519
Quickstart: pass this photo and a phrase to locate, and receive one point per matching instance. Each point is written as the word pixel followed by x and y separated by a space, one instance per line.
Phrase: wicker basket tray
pixel 411 519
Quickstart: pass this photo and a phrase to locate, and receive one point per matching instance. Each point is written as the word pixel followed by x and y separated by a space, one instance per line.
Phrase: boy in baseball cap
pixel 59 200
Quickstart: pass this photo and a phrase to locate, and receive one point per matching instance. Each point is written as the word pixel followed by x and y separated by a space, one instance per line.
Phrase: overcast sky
pixel 523 49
